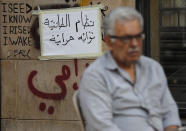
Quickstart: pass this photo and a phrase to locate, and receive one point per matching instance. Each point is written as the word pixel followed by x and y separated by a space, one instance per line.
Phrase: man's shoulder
pixel 96 66
pixel 147 61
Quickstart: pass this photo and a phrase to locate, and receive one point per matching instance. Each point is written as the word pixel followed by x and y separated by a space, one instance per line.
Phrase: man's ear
pixel 108 42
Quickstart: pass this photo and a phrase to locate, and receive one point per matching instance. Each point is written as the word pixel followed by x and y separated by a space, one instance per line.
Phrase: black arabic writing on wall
pixel 63 23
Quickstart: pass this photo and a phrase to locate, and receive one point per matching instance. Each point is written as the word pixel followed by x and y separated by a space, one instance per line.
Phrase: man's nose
pixel 134 42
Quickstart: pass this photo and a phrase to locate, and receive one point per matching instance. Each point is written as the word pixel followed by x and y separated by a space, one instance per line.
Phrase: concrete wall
pixel 37 95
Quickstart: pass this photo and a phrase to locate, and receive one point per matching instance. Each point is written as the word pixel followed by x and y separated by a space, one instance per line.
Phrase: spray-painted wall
pixel 37 95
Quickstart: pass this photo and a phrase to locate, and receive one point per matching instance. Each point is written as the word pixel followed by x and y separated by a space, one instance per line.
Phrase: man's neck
pixel 130 69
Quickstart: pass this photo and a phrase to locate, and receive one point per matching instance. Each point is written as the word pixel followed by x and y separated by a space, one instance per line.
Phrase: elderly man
pixel 123 90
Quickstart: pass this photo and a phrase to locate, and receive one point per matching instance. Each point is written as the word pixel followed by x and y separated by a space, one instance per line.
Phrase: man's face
pixel 128 50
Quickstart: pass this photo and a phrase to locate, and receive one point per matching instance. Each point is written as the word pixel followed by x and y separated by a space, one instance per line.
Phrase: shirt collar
pixel 110 63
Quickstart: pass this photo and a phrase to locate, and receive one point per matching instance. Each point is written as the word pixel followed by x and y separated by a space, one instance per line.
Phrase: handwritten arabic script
pixel 71 32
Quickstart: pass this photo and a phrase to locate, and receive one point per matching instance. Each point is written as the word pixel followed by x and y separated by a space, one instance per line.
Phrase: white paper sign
pixel 71 33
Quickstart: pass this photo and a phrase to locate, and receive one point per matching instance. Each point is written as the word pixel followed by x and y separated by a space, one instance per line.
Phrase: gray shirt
pixel 110 101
